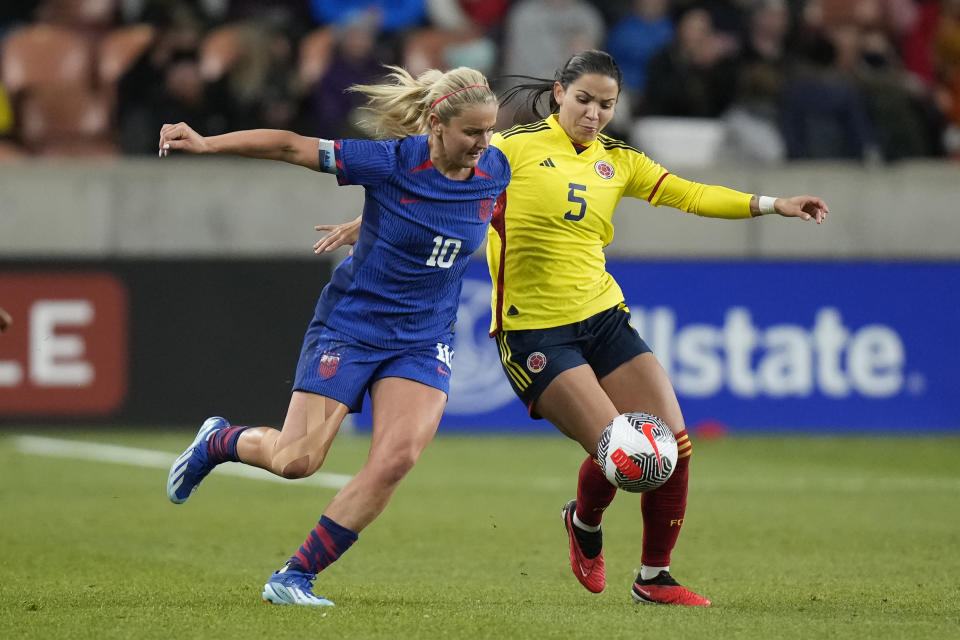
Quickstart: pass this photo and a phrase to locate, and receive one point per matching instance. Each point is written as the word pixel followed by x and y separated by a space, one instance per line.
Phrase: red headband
pixel 442 98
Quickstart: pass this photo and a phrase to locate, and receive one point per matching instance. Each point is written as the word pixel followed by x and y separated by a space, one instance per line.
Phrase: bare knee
pixel 394 468
pixel 299 468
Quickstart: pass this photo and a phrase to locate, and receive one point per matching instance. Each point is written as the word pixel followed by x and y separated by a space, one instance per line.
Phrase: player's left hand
pixel 803 207
pixel 338 236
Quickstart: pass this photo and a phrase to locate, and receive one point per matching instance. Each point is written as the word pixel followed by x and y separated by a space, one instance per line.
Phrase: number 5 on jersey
pixel 444 251
pixel 576 199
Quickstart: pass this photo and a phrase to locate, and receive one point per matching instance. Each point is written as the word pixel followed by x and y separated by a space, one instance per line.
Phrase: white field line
pixel 116 454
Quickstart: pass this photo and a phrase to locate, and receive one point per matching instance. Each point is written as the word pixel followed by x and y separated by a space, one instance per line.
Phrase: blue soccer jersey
pixel 402 284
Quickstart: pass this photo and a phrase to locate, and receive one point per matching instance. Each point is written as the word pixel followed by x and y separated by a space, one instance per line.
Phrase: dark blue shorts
pixel 337 366
pixel 532 358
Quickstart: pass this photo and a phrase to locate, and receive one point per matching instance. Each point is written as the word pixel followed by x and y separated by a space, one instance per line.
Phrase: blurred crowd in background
pixel 870 80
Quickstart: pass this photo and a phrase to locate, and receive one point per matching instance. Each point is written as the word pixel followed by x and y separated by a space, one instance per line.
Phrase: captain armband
pixel 328 159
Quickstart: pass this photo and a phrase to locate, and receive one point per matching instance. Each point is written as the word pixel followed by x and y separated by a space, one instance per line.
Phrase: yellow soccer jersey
pixel 545 242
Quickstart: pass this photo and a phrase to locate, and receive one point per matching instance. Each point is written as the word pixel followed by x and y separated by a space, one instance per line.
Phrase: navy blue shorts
pixel 337 366
pixel 532 358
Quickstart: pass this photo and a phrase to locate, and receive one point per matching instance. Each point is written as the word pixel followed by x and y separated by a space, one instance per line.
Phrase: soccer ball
pixel 637 452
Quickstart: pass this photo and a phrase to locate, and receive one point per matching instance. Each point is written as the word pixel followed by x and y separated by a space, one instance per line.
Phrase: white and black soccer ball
pixel 637 452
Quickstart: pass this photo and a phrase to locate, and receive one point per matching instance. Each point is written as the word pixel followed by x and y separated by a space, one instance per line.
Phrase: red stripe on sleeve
pixel 499 225
pixel 428 164
pixel 659 182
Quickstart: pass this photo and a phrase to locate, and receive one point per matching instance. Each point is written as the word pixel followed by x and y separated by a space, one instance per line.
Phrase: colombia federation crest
pixel 604 169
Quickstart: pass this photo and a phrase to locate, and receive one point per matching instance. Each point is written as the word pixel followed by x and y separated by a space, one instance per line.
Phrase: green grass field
pixel 790 538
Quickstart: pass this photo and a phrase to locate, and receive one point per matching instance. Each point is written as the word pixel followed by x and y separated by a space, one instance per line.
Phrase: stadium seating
pixel 679 142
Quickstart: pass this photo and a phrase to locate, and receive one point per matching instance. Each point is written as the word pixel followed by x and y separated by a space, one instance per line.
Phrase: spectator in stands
pixel 823 114
pixel 331 106
pixel 916 45
pixel 165 82
pixel 540 32
pixel 903 113
pixel 946 51
pixel 636 38
pixel 484 16
pixel 752 122
pixel 730 18
pixel 260 85
pixel 695 75
pixel 477 25
pixel 292 17
pixel 391 15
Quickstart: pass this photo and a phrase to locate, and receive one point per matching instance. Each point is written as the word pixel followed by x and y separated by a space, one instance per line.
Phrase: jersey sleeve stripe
pixel 612 143
pixel 338 160
pixel 499 225
pixel 525 129
pixel 657 186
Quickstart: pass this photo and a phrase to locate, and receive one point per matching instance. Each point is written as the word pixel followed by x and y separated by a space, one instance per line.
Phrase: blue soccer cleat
pixel 289 586
pixel 193 465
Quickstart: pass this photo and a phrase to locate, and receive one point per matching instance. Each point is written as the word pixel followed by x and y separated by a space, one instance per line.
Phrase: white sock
pixel 580 524
pixel 649 573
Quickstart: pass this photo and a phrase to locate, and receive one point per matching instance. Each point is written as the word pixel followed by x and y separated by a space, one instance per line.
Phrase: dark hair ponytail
pixel 590 61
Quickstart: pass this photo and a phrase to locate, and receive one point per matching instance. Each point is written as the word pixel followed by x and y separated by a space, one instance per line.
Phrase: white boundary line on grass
pixel 116 454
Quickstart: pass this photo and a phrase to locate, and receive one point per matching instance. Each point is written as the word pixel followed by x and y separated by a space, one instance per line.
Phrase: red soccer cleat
pixel 589 571
pixel 664 590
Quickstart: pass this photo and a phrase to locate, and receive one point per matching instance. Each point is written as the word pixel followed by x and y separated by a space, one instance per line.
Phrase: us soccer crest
pixel 329 362
pixel 486 209
pixel 604 169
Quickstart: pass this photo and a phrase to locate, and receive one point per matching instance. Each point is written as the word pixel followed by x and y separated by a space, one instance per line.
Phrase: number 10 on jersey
pixel 444 251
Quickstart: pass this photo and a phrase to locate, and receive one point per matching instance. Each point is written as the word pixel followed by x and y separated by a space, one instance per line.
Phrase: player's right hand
pixel 5 320
pixel 181 137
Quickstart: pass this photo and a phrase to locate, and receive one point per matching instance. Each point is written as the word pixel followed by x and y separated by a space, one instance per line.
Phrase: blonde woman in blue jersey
pixel 384 323
pixel 559 318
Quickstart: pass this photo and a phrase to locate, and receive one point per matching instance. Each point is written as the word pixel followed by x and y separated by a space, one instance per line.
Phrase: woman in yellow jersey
pixel 559 318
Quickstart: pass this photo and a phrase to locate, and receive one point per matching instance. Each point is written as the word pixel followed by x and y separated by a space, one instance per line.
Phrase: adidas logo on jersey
pixel 547 163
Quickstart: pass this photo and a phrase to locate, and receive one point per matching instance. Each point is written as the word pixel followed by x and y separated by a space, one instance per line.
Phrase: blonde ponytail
pixel 402 106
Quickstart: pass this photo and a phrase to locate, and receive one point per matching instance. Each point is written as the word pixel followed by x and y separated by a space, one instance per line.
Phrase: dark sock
pixel 327 542
pixel 663 510
pixel 594 492
pixel 222 445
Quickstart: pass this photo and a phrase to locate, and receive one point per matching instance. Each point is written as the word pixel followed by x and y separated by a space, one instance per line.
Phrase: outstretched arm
pixel 803 207
pixel 269 144
pixel 714 201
